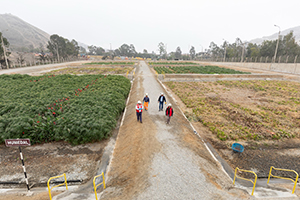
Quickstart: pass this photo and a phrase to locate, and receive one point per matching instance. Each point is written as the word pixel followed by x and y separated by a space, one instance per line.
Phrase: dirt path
pixel 154 160
pixel 38 70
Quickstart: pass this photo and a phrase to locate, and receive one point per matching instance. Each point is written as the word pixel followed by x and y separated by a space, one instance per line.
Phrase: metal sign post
pixel 20 142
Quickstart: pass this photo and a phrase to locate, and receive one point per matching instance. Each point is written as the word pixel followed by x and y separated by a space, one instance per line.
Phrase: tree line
pixel 60 48
pixel 129 51
pixel 287 46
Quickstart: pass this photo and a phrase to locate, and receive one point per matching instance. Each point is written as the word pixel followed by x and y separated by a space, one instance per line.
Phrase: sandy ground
pixel 40 69
pixel 153 160
pixel 38 196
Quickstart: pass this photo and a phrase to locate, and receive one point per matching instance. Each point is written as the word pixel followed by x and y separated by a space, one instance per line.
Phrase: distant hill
pixel 21 34
pixel 296 32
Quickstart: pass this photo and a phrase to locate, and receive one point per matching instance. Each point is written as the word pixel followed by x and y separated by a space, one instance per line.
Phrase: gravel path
pixel 176 172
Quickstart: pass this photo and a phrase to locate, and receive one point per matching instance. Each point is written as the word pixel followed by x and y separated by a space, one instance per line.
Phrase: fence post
pixel 278 59
pixel 287 59
pixel 266 59
pixel 295 60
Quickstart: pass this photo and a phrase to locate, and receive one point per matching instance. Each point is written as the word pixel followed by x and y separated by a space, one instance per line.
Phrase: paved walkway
pixel 180 166
pixel 176 173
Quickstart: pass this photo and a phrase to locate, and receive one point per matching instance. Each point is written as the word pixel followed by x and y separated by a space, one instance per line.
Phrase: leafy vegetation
pixel 61 47
pixel 244 110
pixel 110 63
pixel 197 70
pixel 77 109
pixel 172 63
pixel 287 47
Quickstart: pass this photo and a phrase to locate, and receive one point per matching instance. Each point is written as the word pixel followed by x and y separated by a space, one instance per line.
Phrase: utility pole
pixel 4 50
pixel 201 47
pixel 224 59
pixel 276 44
pixel 166 52
pixel 242 58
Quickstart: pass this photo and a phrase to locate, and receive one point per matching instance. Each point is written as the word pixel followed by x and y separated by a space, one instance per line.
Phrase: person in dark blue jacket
pixel 161 100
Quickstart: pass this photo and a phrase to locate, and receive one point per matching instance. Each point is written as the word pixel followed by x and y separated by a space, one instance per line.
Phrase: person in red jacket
pixel 139 110
pixel 169 113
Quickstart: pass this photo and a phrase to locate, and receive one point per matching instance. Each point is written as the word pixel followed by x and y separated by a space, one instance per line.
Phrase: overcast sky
pixel 181 23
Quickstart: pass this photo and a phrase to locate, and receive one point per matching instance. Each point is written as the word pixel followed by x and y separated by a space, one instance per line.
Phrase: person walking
pixel 146 101
pixel 169 113
pixel 161 100
pixel 139 110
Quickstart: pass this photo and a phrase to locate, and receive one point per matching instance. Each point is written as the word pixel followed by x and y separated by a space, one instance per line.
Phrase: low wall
pixel 291 68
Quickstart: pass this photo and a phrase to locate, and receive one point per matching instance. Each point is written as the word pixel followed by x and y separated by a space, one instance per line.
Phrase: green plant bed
pixel 171 63
pixel 77 109
pixel 197 70
pixel 110 63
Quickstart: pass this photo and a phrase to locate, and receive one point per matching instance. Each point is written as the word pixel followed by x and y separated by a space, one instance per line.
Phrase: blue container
pixel 236 147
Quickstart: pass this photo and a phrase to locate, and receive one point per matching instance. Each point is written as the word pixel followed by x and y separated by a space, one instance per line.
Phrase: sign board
pixel 17 142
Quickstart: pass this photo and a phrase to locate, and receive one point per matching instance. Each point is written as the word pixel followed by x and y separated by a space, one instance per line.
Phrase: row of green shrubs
pixel 197 70
pixel 77 109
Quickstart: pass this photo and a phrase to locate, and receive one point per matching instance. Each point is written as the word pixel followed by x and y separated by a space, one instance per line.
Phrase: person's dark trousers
pixel 161 105
pixel 139 116
pixel 168 119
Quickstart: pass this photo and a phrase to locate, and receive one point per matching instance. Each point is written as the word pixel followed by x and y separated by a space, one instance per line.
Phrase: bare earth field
pixel 264 116
pixel 93 69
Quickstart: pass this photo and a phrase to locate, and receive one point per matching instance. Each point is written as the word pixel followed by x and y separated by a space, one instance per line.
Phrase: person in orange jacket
pixel 139 111
pixel 146 101
pixel 169 113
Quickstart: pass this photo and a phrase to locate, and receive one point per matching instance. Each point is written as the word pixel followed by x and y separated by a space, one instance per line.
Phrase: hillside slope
pixel 296 32
pixel 21 34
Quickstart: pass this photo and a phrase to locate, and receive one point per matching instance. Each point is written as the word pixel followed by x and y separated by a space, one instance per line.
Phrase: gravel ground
pixel 154 160
pixel 177 172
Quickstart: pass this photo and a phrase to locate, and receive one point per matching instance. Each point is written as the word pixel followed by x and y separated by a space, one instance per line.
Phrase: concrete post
pixel 287 59
pixel 278 59
pixel 295 60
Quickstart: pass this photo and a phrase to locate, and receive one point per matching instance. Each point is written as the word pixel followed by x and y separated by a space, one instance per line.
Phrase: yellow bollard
pixel 242 170
pixel 287 170
pixel 95 186
pixel 48 184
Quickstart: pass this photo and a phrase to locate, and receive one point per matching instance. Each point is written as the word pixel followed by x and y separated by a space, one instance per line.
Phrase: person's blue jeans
pixel 139 116
pixel 161 105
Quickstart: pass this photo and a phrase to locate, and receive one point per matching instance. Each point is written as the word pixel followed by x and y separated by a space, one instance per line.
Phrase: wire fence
pixel 15 64
pixel 279 59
